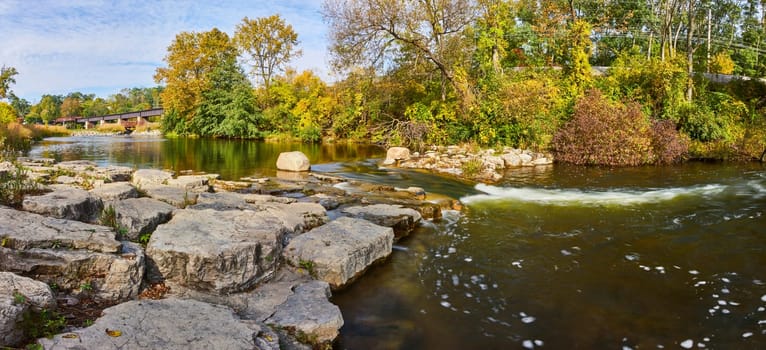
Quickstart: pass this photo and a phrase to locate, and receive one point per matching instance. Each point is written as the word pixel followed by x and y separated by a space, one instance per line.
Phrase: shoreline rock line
pixel 192 261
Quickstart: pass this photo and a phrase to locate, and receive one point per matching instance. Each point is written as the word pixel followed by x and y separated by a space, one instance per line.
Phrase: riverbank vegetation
pixel 490 73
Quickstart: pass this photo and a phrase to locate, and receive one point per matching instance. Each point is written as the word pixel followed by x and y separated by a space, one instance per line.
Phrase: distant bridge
pixel 129 119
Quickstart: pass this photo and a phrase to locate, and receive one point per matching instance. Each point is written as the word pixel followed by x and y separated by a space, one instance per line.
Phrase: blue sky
pixel 100 47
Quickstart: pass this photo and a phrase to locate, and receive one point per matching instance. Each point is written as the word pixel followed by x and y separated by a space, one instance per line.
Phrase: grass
pixel 472 167
pixel 14 185
pixel 148 127
pixel 110 128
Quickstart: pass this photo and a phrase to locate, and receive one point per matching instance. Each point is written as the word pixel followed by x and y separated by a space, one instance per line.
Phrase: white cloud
pixel 99 47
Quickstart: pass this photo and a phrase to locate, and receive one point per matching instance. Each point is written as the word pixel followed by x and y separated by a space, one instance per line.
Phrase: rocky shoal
pixel 467 162
pixel 192 261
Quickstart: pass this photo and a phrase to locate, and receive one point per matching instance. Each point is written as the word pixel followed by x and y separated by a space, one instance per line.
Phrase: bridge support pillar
pixel 101 122
pixel 140 121
pixel 87 125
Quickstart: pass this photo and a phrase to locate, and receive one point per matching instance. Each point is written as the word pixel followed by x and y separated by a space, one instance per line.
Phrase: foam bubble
pixel 763 298
pixel 538 342
pixel 528 319
pixel 747 334
pixel 687 344
pixel 445 304
pixel 528 344
pixel 694 272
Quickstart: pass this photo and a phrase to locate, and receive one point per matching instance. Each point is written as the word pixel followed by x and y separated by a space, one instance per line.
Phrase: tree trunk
pixel 690 54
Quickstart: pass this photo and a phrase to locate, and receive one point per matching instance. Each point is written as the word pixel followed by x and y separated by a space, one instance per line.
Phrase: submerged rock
pixel 293 161
pixel 341 250
pixel 216 251
pixel 162 324
pixel 19 295
pixel 65 203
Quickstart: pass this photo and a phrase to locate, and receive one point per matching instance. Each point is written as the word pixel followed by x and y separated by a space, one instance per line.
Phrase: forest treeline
pixel 490 72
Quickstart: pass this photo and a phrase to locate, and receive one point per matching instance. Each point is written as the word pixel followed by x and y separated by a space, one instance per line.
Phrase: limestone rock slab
pixel 115 191
pixel 141 215
pixel 341 250
pixel 216 251
pixel 143 177
pixel 17 295
pixel 172 195
pixel 65 203
pixel 22 230
pixel 308 310
pixel 293 161
pixel 162 324
pixel 402 220
pixel 112 277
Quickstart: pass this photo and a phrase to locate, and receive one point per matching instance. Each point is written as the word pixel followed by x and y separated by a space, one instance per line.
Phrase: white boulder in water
pixel 293 161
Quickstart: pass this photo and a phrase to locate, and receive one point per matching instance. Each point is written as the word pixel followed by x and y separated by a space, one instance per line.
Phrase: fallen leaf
pixel 113 332
pixel 70 336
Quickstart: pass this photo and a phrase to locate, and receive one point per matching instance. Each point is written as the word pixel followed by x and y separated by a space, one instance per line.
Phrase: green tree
pixel 6 79
pixel 269 43
pixel 228 107
pixel 191 58
pixel 20 105
pixel 48 109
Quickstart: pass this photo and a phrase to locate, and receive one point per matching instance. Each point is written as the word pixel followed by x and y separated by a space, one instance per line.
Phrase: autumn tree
pixel 190 59
pixel 47 110
pixel 71 107
pixel 268 43
pixel 377 32
pixel 6 79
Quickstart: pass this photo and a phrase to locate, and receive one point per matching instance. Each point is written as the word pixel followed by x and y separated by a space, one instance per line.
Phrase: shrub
pixel 668 145
pixel 14 185
pixel 110 128
pixel 604 133
pixel 14 138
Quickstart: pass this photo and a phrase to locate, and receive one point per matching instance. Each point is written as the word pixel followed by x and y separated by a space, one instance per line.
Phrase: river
pixel 560 257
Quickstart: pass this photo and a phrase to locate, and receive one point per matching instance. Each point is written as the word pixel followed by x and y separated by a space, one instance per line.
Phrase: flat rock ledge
pixel 19 295
pixel 340 251
pixel 216 251
pixel 70 254
pixel 139 216
pixel 65 202
pixel 162 324
pixel 402 220
pixel 307 311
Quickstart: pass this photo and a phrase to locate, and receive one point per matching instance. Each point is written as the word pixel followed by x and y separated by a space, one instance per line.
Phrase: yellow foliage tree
pixel 722 63
pixel 269 44
pixel 191 58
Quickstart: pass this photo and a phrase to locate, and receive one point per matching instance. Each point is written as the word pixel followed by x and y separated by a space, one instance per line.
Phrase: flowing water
pixel 558 257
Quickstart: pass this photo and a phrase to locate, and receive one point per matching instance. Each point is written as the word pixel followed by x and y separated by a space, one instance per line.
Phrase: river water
pixel 559 257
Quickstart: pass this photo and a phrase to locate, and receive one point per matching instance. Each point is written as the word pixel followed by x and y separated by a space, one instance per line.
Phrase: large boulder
pixel 162 324
pixel 141 215
pixel 216 251
pixel 70 254
pixel 19 295
pixel 395 154
pixel 143 177
pixel 65 202
pixel 402 220
pixel 340 251
pixel 293 161
pixel 309 311
pixel 115 191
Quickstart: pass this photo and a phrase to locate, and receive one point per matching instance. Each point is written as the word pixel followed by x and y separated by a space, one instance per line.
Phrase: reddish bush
pixel 669 146
pixel 604 133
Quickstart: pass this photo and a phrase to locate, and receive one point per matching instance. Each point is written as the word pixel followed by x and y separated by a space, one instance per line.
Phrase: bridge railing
pixel 119 116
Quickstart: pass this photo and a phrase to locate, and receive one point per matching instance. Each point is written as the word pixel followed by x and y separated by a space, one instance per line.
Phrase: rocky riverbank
pixel 467 162
pixel 190 261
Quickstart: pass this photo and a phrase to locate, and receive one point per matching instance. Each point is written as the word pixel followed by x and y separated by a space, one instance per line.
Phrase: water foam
pixel 566 197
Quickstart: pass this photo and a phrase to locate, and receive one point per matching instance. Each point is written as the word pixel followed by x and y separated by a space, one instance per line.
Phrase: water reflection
pixel 232 159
